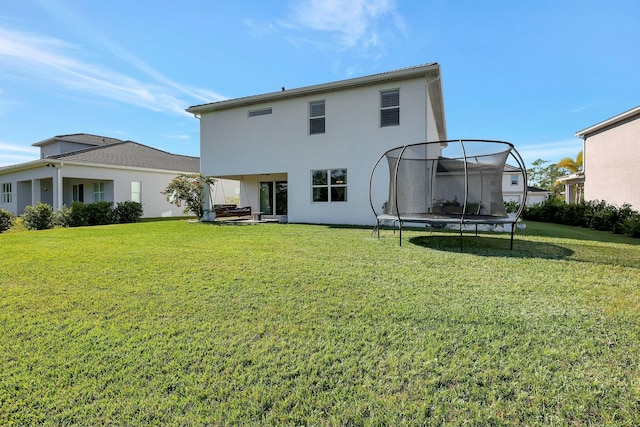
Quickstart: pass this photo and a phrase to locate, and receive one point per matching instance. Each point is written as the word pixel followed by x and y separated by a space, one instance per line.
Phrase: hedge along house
pixel 306 154
pixel 90 168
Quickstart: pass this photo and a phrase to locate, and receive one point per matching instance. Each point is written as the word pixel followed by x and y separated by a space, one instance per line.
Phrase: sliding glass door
pixel 273 197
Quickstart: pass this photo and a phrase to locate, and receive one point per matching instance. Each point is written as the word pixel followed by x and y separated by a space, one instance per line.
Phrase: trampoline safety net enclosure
pixel 446 182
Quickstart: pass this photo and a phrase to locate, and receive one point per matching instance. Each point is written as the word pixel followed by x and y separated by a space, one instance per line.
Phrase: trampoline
pixel 446 183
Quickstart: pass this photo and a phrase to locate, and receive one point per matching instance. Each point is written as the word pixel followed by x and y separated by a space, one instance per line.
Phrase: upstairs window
pixel 316 117
pixel 390 108
pixel 329 185
pixel 6 193
pixel 514 179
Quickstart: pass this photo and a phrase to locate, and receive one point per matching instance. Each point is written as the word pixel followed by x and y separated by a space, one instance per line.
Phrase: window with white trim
pixel 136 191
pixel 514 179
pixel 7 195
pixel 329 185
pixel 316 117
pixel 390 108
pixel 98 191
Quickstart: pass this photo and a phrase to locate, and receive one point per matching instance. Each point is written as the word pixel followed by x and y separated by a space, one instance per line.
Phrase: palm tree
pixel 572 166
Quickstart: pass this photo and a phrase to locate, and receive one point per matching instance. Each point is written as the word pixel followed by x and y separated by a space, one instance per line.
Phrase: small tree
pixel 189 189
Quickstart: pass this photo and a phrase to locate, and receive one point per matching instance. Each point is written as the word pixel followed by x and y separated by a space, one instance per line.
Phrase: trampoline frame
pixel 461 219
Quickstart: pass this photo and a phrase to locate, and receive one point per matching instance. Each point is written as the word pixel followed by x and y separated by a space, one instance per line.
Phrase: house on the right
pixel 611 157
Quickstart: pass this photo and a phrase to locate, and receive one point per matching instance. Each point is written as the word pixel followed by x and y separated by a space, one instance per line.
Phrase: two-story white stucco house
pixel 611 161
pixel 90 168
pixel 306 154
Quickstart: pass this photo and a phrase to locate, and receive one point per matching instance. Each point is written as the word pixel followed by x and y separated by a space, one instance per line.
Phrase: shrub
pixel 631 225
pixel 6 220
pixel 548 211
pixel 511 206
pixel 63 217
pixel 38 217
pixel 126 212
pixel 79 215
pixel 595 214
pixel 100 213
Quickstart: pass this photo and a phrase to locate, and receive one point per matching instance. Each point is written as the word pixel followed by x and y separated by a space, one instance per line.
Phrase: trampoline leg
pixel 400 231
pixel 460 237
pixel 513 229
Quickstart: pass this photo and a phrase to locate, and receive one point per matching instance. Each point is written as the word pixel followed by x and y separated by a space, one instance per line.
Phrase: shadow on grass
pixel 484 245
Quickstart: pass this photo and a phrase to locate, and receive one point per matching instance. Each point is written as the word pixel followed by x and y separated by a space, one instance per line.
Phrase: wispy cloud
pixel 12 153
pixel 551 151
pixel 55 61
pixel 361 24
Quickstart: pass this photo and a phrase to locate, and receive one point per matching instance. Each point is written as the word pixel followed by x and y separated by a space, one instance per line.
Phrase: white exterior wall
pixel 611 160
pixel 235 145
pixel 32 182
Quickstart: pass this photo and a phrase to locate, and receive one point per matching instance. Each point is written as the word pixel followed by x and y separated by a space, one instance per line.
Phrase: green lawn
pixel 181 323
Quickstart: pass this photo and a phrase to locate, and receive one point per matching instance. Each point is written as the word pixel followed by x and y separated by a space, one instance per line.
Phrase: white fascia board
pixel 131 168
pixel 24 166
pixel 608 122
pixel 427 70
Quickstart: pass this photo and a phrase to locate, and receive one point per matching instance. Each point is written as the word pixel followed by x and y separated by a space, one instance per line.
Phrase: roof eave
pixel 427 70
pixel 613 120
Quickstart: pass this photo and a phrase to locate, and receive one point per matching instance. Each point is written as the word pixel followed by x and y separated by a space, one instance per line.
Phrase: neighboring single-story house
pixel 90 168
pixel 513 186
pixel 612 158
pixel 306 154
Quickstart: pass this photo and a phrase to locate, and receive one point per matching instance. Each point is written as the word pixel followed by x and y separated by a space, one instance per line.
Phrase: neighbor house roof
pixel 630 114
pixel 531 189
pixel 81 138
pixel 131 154
pixel 430 71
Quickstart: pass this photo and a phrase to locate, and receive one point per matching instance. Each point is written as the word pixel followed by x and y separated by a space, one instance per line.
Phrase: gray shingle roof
pixel 132 154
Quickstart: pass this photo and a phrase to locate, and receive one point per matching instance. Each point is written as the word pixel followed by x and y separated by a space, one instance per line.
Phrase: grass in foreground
pixel 178 323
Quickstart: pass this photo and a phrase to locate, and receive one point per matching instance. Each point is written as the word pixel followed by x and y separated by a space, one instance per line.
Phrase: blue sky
pixel 529 72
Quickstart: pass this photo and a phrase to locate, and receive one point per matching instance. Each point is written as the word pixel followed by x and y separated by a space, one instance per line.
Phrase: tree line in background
pixel 544 174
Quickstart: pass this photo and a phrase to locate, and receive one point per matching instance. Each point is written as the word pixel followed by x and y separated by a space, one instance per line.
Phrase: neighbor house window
pixel 514 179
pixel 136 191
pixel 329 185
pixel 390 108
pixel 6 193
pixel 98 191
pixel 316 117
pixel 77 192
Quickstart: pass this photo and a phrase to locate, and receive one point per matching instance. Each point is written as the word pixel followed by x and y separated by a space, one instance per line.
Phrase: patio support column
pixel 569 193
pixel 57 189
pixel 35 192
